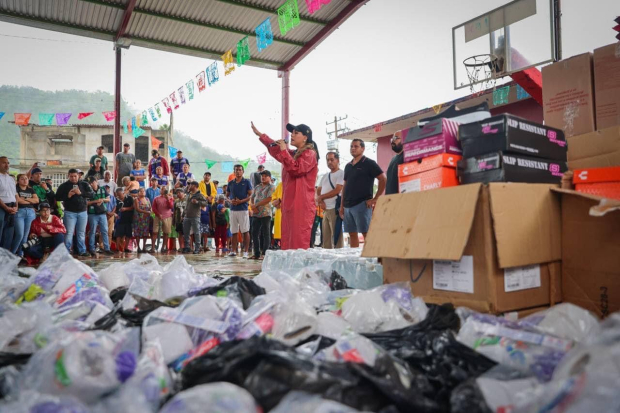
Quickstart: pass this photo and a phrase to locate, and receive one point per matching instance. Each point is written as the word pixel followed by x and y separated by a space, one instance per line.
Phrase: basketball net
pixel 481 71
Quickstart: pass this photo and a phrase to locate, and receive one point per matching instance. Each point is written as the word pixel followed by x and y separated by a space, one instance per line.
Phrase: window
pixel 107 141
pixel 142 149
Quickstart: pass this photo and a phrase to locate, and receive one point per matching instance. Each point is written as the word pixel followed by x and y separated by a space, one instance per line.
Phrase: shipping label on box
pixel 454 275
pixel 521 278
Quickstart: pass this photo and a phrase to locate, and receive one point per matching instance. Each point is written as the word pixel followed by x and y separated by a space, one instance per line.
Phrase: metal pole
pixel 286 86
pixel 117 107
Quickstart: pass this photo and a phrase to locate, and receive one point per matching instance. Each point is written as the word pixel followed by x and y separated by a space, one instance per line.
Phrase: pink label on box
pixel 435 145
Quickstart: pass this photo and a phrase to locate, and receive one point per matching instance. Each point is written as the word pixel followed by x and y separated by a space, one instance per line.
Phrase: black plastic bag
pixel 431 348
pixel 118 294
pixel 337 282
pixel 13 359
pixel 269 370
pixel 245 288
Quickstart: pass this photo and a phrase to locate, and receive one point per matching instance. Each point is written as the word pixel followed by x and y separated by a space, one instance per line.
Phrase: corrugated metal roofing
pixel 204 28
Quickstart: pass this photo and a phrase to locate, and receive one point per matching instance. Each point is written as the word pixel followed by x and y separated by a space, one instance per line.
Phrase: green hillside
pixel 15 99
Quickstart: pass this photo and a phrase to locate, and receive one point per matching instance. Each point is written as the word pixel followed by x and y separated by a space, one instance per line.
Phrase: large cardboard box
pixel 590 252
pixel 509 167
pixel 568 95
pixel 598 149
pixel 468 245
pixel 435 137
pixel 607 85
pixel 438 171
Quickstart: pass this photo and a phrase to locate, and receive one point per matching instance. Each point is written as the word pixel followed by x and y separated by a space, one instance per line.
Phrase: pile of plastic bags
pixel 139 337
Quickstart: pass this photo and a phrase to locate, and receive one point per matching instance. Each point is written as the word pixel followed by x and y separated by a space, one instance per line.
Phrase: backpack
pixel 220 218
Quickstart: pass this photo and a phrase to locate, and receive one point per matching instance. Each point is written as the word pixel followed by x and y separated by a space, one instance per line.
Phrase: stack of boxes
pixel 510 149
pixel 431 153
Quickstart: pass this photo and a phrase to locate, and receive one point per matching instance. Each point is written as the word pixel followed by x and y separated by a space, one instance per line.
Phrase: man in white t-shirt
pixel 327 195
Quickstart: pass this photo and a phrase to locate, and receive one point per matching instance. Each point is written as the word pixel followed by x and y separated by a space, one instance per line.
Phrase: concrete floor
pixel 205 263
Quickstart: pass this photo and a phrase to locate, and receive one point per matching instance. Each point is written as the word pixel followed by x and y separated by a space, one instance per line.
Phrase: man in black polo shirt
pixel 358 201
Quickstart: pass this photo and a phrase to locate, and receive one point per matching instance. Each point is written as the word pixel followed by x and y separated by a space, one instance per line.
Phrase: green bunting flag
pixel 210 163
pixel 46 119
pixel 245 163
pixel 500 96
pixel 137 132
pixel 243 51
pixel 145 119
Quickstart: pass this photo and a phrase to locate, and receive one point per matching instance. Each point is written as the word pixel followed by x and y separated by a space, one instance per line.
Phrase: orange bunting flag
pixel 22 119
pixel 155 142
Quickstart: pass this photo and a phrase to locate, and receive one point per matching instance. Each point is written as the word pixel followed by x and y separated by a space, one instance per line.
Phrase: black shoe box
pixel 511 134
pixel 508 167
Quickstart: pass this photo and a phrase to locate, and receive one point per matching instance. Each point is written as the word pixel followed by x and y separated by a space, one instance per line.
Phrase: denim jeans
pixel 261 236
pixel 52 242
pixel 101 221
pixel 192 224
pixel 6 231
pixel 76 222
pixel 23 219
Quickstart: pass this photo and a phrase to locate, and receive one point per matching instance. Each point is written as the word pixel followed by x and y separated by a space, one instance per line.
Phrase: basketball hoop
pixel 482 71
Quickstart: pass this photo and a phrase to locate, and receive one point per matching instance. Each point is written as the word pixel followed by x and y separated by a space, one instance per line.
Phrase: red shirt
pixel 54 227
pixel 163 206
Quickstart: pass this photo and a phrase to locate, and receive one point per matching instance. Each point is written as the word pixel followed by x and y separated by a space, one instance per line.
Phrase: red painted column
pixel 286 86
pixel 117 106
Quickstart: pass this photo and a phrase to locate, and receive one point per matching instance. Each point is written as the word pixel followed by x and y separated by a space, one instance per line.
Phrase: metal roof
pixel 202 28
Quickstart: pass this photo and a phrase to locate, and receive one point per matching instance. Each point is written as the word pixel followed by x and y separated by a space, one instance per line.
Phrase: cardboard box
pixel 595 150
pixel 513 135
pixel 503 167
pixel 490 229
pixel 568 95
pixel 590 252
pixel 434 172
pixel 603 182
pixel 607 85
pixel 436 137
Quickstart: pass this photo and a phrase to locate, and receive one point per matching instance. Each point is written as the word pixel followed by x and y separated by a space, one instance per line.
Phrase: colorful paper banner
pixel 213 74
pixel 264 35
pixel 155 142
pixel 152 113
pixel 173 98
pixel 46 119
pixel 145 118
pixel 190 89
pixel 1 115
pixel 125 128
pixel 262 158
pixel 200 79
pixel 110 115
pixel 137 132
pixel 133 123
pixel 182 94
pixel 500 95
pixel 243 51
pixel 437 108
pixel 229 64
pixel 22 119
pixel 158 110
pixel 315 5
pixel 521 93
pixel 227 166
pixel 245 163
pixel 172 151
pixel 288 16
pixel 62 118
pixel 210 163
pixel 138 121
pixel 83 115
pixel 129 126
pixel 166 103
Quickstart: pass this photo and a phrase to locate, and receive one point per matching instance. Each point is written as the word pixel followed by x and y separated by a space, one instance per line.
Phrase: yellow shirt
pixel 277 219
pixel 202 187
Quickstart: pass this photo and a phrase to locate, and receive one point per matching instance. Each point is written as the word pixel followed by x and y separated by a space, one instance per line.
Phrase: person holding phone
pixel 74 195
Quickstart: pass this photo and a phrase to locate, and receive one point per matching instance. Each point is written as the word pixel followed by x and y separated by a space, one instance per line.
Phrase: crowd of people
pixel 165 202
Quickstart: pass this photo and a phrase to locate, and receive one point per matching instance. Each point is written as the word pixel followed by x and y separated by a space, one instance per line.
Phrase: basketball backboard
pixel 511 38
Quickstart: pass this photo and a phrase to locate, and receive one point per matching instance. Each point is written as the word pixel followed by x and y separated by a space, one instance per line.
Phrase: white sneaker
pixel 232 254
pixel 245 255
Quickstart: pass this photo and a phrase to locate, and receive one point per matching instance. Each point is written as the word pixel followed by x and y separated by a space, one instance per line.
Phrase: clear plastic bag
pixel 294 322
pixel 215 398
pixel 34 402
pixel 383 308
pixel 302 402
pixel 20 324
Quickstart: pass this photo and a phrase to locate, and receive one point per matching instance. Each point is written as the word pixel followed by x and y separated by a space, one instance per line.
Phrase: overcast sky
pixel 391 58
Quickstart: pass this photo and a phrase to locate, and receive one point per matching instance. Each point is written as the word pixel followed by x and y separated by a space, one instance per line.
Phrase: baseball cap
pixel 266 172
pixel 192 182
pixel 79 171
pixel 97 159
pixel 304 129
pixel 43 205
pixel 101 147
pixel 36 170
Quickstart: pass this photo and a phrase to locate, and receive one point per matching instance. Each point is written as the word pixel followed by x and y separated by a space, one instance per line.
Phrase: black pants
pixel 261 235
